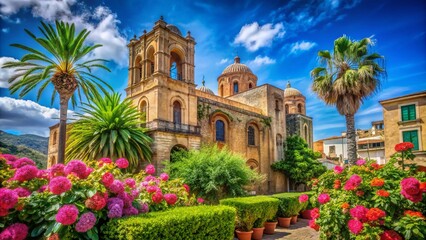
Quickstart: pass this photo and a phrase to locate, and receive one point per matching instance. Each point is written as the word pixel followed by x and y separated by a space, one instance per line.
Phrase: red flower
pixel 422 187
pixel 337 183
pixel 377 182
pixel 390 235
pixel 376 166
pixel 157 197
pixel 400 147
pixel 410 189
pixel 360 193
pixel 96 202
pixel 345 205
pixel 382 193
pixel 314 225
pixel 107 179
pixel 315 213
pixel 414 214
pixel 375 214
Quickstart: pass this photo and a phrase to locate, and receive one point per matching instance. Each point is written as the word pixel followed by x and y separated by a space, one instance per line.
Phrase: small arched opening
pixel 299 108
pixel 251 136
pixel 220 131
pixel 221 90
pixel 137 70
pixel 250 85
pixel 144 111
pixel 286 109
pixel 252 164
pixel 306 133
pixel 177 112
pixel 55 137
pixel 177 152
pixel 175 66
pixel 235 87
pixel 151 61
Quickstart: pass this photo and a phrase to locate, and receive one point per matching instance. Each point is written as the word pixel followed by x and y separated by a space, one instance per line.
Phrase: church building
pixel 249 119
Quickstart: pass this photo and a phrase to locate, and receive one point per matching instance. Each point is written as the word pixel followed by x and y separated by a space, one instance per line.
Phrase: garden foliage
pixel 252 211
pixel 371 201
pixel 200 222
pixel 289 204
pixel 214 173
pixel 300 163
pixel 72 201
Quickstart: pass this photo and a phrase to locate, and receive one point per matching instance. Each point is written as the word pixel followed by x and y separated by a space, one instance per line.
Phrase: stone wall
pixel 295 126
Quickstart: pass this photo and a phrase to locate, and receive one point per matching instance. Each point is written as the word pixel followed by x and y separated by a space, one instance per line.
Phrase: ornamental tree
pixel 300 163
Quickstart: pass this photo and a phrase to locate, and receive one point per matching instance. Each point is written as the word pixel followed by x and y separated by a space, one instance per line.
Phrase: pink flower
pixel 164 176
pixel 200 200
pixel 43 174
pixel 355 226
pixel 4 212
pixel 353 182
pixel 115 201
pixel 8 198
pixel 359 212
pixel 130 211
pixel 86 222
pixel 152 189
pixel 42 188
pixel 116 187
pixel 150 169
pixel 303 198
pixel 76 167
pixel 89 170
pixel 103 161
pixel 127 199
pixel 16 231
pixel 323 198
pixel 410 189
pixel 57 170
pixel 96 202
pixel 107 179
pixel 338 169
pixel 130 182
pixel 9 157
pixel 26 173
pixel 59 185
pixel 22 192
pixel 314 225
pixel 67 214
pixel 157 197
pixel 122 163
pixel 23 162
pixel 186 187
pixel 150 178
pixel 170 198
pixel 115 211
pixel 144 208
pixel 360 162
pixel 315 213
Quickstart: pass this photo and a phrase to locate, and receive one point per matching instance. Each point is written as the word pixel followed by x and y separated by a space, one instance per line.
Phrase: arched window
pixel 306 133
pixel 138 70
pixel 177 113
pixel 286 109
pixel 299 108
pixel 235 87
pixel 221 90
pixel 220 131
pixel 144 113
pixel 151 61
pixel 277 105
pixel 250 136
pixel 250 85
pixel 55 137
pixel 175 66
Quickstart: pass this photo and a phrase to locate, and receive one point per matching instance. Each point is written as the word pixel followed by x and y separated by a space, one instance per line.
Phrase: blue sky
pixel 278 40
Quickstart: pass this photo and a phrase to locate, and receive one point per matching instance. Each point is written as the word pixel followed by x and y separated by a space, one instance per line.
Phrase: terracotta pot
pixel 270 227
pixel 257 233
pixel 284 222
pixel 244 235
pixel 307 214
pixel 293 219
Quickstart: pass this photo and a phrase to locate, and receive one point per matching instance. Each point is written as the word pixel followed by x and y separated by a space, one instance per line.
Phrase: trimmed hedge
pixel 200 222
pixel 252 211
pixel 289 203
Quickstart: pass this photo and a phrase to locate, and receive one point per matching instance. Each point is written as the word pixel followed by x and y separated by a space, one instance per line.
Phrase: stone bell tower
pixel 161 83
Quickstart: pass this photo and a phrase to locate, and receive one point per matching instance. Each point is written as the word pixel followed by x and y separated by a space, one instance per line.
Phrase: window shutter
pixel 404 113
pixel 412 112
pixel 415 140
pixel 406 136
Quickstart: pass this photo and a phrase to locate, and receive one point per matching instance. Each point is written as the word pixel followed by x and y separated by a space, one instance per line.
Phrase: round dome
pixel 205 89
pixel 237 67
pixel 174 29
pixel 292 92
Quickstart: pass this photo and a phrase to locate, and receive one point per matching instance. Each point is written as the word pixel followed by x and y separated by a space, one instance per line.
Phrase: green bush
pixel 252 211
pixel 213 173
pixel 289 203
pixel 201 222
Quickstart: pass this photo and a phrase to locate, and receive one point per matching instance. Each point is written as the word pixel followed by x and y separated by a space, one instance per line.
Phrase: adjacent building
pixel 247 118
pixel 405 121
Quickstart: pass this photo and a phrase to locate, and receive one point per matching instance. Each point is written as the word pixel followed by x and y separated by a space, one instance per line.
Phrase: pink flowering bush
pixel 74 200
pixel 370 201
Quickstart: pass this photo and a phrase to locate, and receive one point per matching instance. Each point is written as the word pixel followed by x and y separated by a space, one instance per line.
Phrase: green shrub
pixel 201 222
pixel 213 173
pixel 289 203
pixel 252 211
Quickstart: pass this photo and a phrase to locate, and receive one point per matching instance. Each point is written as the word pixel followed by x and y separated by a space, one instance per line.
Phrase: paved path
pixel 298 231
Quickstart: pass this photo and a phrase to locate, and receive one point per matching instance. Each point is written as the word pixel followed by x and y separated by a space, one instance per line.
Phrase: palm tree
pixel 67 68
pixel 346 78
pixel 109 127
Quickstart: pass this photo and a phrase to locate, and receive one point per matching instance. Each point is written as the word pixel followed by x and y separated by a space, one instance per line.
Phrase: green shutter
pixel 411 136
pixel 408 112
pixel 404 113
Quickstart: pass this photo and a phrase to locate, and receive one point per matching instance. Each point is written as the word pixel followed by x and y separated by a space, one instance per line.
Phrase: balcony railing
pixel 166 126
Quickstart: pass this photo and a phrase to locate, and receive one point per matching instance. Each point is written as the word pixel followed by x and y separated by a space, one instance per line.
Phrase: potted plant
pixel 270 226
pixel 258 229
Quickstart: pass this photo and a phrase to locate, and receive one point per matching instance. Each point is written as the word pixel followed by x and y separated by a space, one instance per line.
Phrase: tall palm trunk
pixel 62 128
pixel 351 138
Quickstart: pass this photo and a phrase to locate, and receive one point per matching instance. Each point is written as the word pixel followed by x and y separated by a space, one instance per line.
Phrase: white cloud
pixel 6 73
pixel 101 22
pixel 374 109
pixel 5 30
pixel 223 61
pixel 259 61
pixel 27 116
pixel 252 36
pixel 298 47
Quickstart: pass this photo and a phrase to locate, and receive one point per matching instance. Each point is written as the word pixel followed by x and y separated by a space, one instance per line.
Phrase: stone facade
pixel 395 125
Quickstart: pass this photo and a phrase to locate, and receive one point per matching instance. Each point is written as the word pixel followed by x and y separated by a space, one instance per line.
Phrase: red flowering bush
pixel 76 199
pixel 375 202
pixel 404 146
